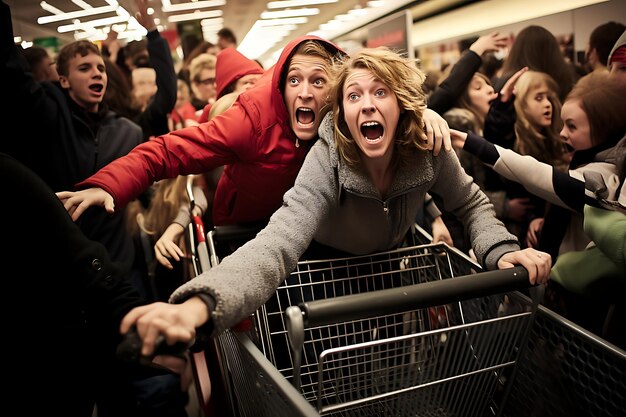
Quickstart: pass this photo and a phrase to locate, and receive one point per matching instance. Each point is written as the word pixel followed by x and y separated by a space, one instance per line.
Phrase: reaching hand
pixel 538 264
pixel 441 232
pixel 508 90
pixel 490 42
pixel 458 138
pixel 437 131
pixel 165 247
pixel 176 322
pixel 76 202
pixel 142 15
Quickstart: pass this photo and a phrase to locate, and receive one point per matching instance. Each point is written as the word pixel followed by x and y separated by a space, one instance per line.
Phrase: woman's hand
pixel 437 131
pixel 538 264
pixel 441 232
pixel 490 42
pixel 458 138
pixel 176 322
pixel 166 248
pixel 508 90
pixel 76 202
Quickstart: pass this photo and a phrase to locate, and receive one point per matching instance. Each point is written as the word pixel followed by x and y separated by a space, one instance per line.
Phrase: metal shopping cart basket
pixel 416 331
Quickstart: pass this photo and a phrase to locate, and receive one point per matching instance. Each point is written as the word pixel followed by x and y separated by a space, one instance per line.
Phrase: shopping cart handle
pixel 411 297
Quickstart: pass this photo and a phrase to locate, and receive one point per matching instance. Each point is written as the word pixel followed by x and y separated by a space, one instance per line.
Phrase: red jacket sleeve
pixel 192 150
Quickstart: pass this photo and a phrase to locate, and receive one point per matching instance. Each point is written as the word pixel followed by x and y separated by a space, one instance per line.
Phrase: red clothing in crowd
pixel 231 65
pixel 253 140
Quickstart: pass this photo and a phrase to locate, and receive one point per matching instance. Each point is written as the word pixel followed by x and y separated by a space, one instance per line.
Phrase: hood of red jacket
pixel 231 66
pixel 274 109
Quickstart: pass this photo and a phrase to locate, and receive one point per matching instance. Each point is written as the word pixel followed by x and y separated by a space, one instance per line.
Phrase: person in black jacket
pixel 73 299
pixel 153 118
pixel 66 131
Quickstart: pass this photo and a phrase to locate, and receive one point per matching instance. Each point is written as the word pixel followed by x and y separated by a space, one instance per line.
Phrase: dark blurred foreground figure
pixel 65 332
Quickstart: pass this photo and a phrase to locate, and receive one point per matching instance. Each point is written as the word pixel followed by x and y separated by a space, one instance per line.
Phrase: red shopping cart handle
pixel 412 297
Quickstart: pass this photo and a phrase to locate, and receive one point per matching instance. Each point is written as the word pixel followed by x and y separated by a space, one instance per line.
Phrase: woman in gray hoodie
pixel 358 191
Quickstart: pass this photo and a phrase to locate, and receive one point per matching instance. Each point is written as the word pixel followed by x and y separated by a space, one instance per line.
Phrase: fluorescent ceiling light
pixel 331 25
pixel 375 10
pixel 296 3
pixel 78 25
pixel 286 21
pixel 194 16
pixel 81 3
pixel 290 13
pixel 168 7
pixel 50 8
pixel 358 12
pixel 261 38
pixel 345 17
pixel 75 15
pixel 215 21
pixel 116 28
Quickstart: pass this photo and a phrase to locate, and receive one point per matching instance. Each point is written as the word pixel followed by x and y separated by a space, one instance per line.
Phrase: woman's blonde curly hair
pixel 405 79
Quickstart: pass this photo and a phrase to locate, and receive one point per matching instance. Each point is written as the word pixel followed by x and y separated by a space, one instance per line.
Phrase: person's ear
pixel 65 83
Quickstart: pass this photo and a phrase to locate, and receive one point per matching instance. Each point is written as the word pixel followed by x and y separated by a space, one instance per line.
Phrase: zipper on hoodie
pixel 385 202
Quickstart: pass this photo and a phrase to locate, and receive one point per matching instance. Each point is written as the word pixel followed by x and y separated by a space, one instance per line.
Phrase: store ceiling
pixel 239 15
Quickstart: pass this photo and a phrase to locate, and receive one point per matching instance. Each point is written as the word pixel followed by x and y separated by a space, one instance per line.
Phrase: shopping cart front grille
pixel 373 363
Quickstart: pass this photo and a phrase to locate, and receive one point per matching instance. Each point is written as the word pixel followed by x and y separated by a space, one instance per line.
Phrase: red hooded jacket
pixel 231 66
pixel 252 139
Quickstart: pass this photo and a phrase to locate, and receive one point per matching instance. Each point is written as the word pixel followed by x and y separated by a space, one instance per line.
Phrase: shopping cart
pixel 416 331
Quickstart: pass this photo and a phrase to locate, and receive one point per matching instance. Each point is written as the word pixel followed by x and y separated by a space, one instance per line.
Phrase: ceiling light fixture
pixel 262 36
pixel 168 7
pixel 194 16
pixel 211 22
pixel 75 15
pixel 296 3
pixel 285 21
pixel 78 25
pixel 345 23
pixel 290 13
pixel 50 8
pixel 81 3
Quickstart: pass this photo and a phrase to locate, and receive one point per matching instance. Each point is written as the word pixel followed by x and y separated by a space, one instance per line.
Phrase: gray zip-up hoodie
pixel 338 206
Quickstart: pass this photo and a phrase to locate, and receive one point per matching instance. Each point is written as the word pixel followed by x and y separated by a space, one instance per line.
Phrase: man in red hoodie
pixel 234 73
